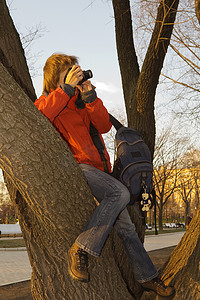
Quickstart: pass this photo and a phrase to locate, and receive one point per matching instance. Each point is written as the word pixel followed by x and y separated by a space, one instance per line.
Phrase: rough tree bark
pixel 9 44
pixel 49 190
pixel 140 87
pixel 197 9
pixel 183 268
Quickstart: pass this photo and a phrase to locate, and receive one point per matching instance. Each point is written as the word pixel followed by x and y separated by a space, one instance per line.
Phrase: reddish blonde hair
pixel 54 65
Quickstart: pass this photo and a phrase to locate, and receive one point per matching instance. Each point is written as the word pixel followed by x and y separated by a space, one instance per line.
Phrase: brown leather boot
pixel 158 286
pixel 78 263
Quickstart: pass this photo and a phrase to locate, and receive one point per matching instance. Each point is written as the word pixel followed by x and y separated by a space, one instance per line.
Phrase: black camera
pixel 86 75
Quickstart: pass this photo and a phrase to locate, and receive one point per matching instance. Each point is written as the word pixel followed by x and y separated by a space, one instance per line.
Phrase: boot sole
pixel 151 290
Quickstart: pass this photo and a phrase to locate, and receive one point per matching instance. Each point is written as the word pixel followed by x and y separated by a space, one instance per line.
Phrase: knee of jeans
pixel 125 227
pixel 125 195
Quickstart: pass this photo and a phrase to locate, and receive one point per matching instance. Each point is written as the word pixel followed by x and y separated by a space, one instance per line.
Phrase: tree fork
pixel 140 87
pixel 51 191
pixel 42 246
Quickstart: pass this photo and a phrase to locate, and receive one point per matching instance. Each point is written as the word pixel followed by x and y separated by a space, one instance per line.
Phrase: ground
pixel 21 290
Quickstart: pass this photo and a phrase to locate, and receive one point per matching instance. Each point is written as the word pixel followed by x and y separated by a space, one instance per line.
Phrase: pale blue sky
pixel 81 28
pixel 86 28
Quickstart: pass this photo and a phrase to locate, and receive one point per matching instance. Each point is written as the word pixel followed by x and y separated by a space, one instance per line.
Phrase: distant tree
pixel 189 183
pixel 166 171
pixel 185 189
pixel 182 269
pixel 165 180
pixel 4 195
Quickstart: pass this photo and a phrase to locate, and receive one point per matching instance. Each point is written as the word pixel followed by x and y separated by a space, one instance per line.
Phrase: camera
pixel 86 75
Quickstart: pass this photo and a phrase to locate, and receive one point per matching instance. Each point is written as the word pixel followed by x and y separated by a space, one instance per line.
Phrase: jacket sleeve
pixel 53 104
pixel 99 116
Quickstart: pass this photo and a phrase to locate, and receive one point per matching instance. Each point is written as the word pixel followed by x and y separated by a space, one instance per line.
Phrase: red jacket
pixel 74 123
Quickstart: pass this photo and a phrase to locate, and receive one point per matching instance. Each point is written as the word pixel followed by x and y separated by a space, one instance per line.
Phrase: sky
pixel 81 28
pixel 85 29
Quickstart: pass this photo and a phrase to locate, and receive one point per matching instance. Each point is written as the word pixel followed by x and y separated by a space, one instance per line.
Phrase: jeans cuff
pixel 149 278
pixel 93 253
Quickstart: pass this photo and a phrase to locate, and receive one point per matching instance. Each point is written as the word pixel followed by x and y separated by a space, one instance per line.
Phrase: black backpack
pixel 133 165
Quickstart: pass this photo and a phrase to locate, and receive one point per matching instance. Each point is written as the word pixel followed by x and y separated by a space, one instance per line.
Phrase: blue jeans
pixel 113 198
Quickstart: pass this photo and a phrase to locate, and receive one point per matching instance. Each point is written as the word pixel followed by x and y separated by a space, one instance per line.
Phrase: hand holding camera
pixel 75 76
pixel 86 86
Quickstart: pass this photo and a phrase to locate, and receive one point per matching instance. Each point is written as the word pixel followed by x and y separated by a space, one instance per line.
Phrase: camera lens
pixel 86 75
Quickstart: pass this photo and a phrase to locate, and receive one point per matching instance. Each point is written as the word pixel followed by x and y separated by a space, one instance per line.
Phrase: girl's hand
pixel 74 76
pixel 86 86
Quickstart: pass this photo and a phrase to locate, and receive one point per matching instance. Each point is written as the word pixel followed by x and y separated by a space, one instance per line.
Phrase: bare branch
pixel 181 83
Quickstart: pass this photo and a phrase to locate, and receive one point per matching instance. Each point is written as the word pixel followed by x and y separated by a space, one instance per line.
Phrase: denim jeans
pixel 113 198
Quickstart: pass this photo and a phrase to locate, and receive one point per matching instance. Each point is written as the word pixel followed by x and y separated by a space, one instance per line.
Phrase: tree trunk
pixel 161 218
pixel 182 269
pixel 51 191
pixel 10 44
pixel 140 87
pixel 126 54
pixel 187 208
pixel 197 9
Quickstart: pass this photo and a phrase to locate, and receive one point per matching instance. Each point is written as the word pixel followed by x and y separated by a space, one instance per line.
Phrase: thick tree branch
pixel 51 191
pixel 126 52
pixel 144 119
pixel 140 87
pixel 155 56
pixel 16 67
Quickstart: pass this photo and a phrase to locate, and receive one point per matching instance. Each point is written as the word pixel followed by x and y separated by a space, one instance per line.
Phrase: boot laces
pixel 160 283
pixel 82 261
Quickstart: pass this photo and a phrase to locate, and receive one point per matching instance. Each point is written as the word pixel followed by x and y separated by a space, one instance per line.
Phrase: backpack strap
pixel 99 145
pixel 98 142
pixel 115 122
